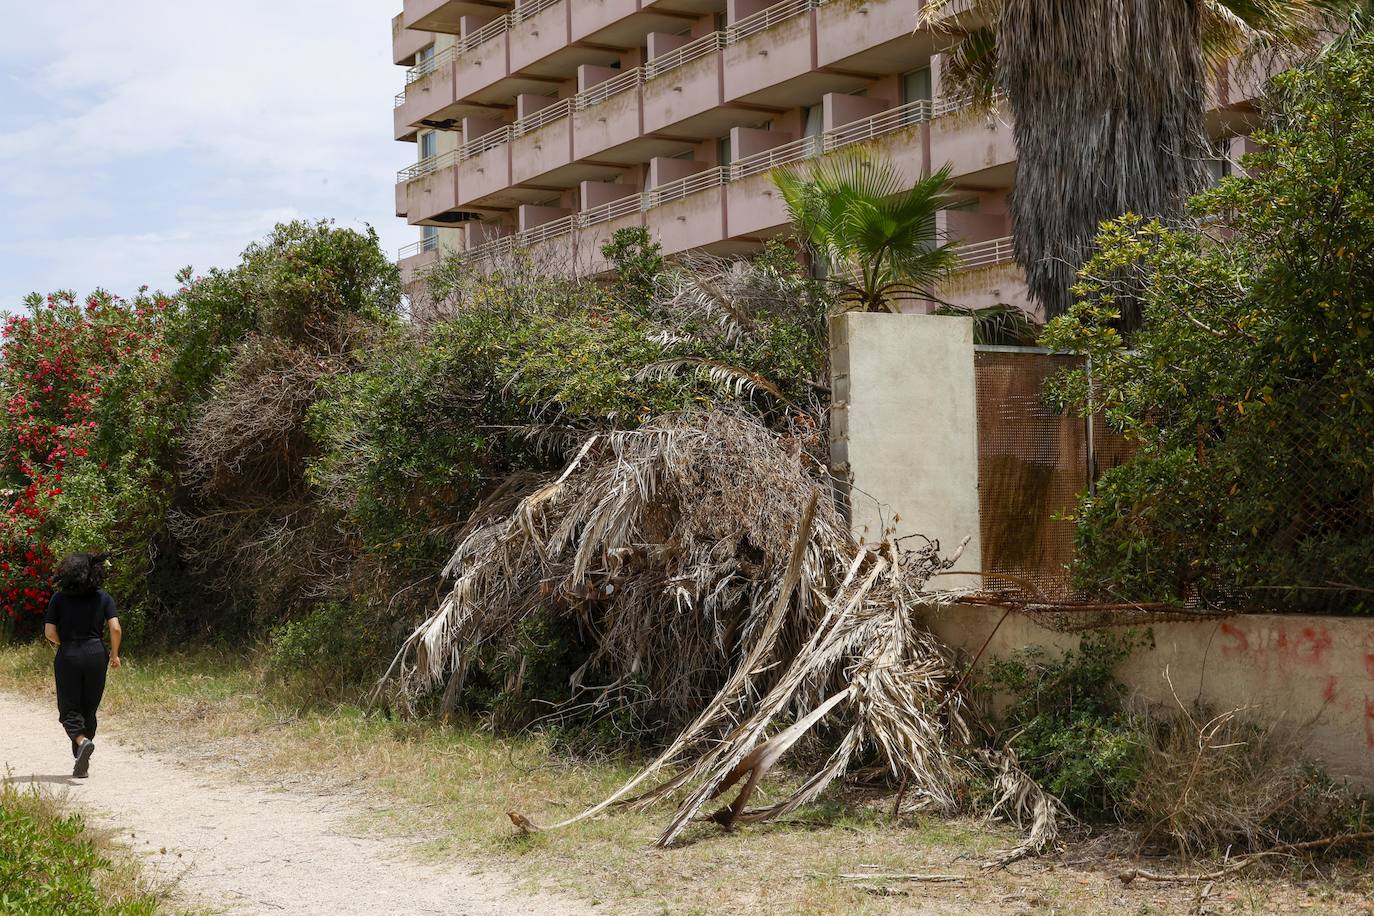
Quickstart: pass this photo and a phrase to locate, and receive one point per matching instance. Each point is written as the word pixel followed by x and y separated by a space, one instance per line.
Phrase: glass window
pixel 815 121
pixel 1218 165
pixel 429 145
pixel 916 86
pixel 429 238
pixel 724 151
pixel 424 54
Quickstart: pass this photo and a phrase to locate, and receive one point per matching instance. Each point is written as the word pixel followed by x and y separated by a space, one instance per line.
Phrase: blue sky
pixel 140 136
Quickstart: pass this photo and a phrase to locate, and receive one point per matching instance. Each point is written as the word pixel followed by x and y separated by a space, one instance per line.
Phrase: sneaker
pixel 83 760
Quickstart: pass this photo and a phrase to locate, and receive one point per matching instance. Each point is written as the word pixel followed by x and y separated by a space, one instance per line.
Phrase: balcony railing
pixel 530 10
pixel 985 254
pixel 767 18
pixel 427 166
pixel 428 243
pixel 613 86
pixel 430 64
pixel 630 203
pixel 485 142
pixel 537 119
pixel 684 55
pixel 979 254
pixel 685 187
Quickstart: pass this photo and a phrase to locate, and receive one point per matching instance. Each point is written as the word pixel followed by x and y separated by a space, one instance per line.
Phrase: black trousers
pixel 80 670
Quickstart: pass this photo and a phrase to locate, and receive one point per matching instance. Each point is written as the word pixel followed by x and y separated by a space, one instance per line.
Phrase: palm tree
pixel 1108 99
pixel 874 234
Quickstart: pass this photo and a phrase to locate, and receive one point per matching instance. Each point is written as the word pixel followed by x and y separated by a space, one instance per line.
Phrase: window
pixel 1218 165
pixel 429 145
pixel 815 121
pixel 724 152
pixel 429 238
pixel 915 89
pixel 424 54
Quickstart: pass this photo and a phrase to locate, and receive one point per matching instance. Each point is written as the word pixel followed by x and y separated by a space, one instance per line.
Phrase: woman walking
pixel 75 620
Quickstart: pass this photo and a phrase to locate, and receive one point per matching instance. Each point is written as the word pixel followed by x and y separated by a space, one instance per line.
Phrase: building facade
pixel 550 124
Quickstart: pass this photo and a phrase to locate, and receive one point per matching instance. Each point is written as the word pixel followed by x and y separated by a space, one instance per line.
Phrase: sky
pixel 141 136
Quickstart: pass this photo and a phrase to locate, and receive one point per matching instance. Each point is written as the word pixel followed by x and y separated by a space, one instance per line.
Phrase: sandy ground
pixel 242 848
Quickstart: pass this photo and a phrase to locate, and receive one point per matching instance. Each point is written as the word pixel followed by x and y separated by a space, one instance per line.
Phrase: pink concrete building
pixel 550 124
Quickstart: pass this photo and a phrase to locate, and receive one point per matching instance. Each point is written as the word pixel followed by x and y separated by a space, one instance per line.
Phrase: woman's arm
pixel 50 631
pixel 116 634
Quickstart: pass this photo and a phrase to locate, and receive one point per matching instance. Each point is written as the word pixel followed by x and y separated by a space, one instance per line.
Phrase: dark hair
pixel 81 573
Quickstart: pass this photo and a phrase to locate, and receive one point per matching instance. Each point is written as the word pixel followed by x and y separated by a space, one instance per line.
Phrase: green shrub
pixel 1250 382
pixel 332 654
pixel 1068 725
pixel 50 864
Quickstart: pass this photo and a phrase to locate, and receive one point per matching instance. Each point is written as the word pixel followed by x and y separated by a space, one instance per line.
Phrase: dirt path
pixel 243 848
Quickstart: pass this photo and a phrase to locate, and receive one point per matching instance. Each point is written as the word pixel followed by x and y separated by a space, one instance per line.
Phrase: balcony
pixel 770 58
pixel 684 89
pixel 428 190
pixel 447 15
pixel 406 43
pixel 416 260
pixel 979 145
pixel 872 36
pixel 607 116
pixel 619 23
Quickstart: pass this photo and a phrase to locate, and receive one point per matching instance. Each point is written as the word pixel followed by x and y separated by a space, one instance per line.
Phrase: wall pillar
pixel 904 430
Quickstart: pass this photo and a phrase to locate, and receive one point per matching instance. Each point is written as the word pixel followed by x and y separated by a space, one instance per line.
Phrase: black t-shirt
pixel 79 617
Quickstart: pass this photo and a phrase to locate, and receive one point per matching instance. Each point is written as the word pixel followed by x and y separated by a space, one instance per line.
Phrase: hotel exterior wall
pixel 607 124
pixel 696 221
pixel 684 92
pixel 768 58
pixel 844 30
pixel 484 175
pixel 539 37
pixel 541 151
pixel 972 142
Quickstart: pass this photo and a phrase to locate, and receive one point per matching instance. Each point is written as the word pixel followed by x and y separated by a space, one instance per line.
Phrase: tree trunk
pixel 1108 98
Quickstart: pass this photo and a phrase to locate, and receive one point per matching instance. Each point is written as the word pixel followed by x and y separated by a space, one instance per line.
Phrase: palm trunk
pixel 1108 98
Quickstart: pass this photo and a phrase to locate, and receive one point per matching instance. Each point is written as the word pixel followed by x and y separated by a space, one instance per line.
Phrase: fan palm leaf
pixel 873 229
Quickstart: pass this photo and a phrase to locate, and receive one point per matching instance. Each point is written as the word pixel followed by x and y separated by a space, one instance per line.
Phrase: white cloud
pixel 136 137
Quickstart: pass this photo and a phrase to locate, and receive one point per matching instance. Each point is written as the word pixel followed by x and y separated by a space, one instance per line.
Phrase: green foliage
pixel 1068 726
pixel 333 653
pixel 638 261
pixel 1250 384
pixel 49 864
pixel 1000 325
pixel 875 235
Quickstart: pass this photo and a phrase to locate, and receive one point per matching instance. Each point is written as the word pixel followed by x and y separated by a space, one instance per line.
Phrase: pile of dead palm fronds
pixel 705 556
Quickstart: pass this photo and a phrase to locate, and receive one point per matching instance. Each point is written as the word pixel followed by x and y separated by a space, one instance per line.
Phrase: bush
pixel 1068 725
pixel 1250 384
pixel 332 654
pixel 49 863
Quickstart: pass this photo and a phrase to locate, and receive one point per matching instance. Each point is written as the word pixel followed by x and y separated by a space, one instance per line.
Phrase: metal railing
pixel 978 254
pixel 880 124
pixel 430 64
pixel 613 86
pixel 485 142
pixel 685 187
pixel 486 33
pixel 399 100
pixel 985 254
pixel 689 52
pixel 767 18
pixel 427 166
pixel 429 243
pixel 630 203
pixel 530 10
pixel 537 119
pixel 796 151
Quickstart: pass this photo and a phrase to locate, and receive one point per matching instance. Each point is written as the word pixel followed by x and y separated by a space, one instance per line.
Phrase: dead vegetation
pixel 705 555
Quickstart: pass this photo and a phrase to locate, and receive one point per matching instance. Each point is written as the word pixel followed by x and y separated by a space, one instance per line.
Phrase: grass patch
pixel 450 787
pixel 51 862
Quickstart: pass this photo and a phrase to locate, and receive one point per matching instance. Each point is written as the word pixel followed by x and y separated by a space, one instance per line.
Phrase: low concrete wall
pixel 1314 675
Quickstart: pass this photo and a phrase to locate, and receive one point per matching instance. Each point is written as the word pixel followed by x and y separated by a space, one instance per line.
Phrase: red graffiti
pixel 1369 665
pixel 1329 691
pixel 1369 722
pixel 1313 646
pixel 1241 643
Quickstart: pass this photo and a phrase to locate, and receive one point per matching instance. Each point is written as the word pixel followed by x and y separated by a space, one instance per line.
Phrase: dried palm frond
pixel 707 560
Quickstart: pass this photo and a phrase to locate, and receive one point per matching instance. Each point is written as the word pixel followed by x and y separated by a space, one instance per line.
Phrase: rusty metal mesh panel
pixel 1033 463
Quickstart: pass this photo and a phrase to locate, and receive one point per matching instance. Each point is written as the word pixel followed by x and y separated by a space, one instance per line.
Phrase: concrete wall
pixel 904 428
pixel 1314 675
